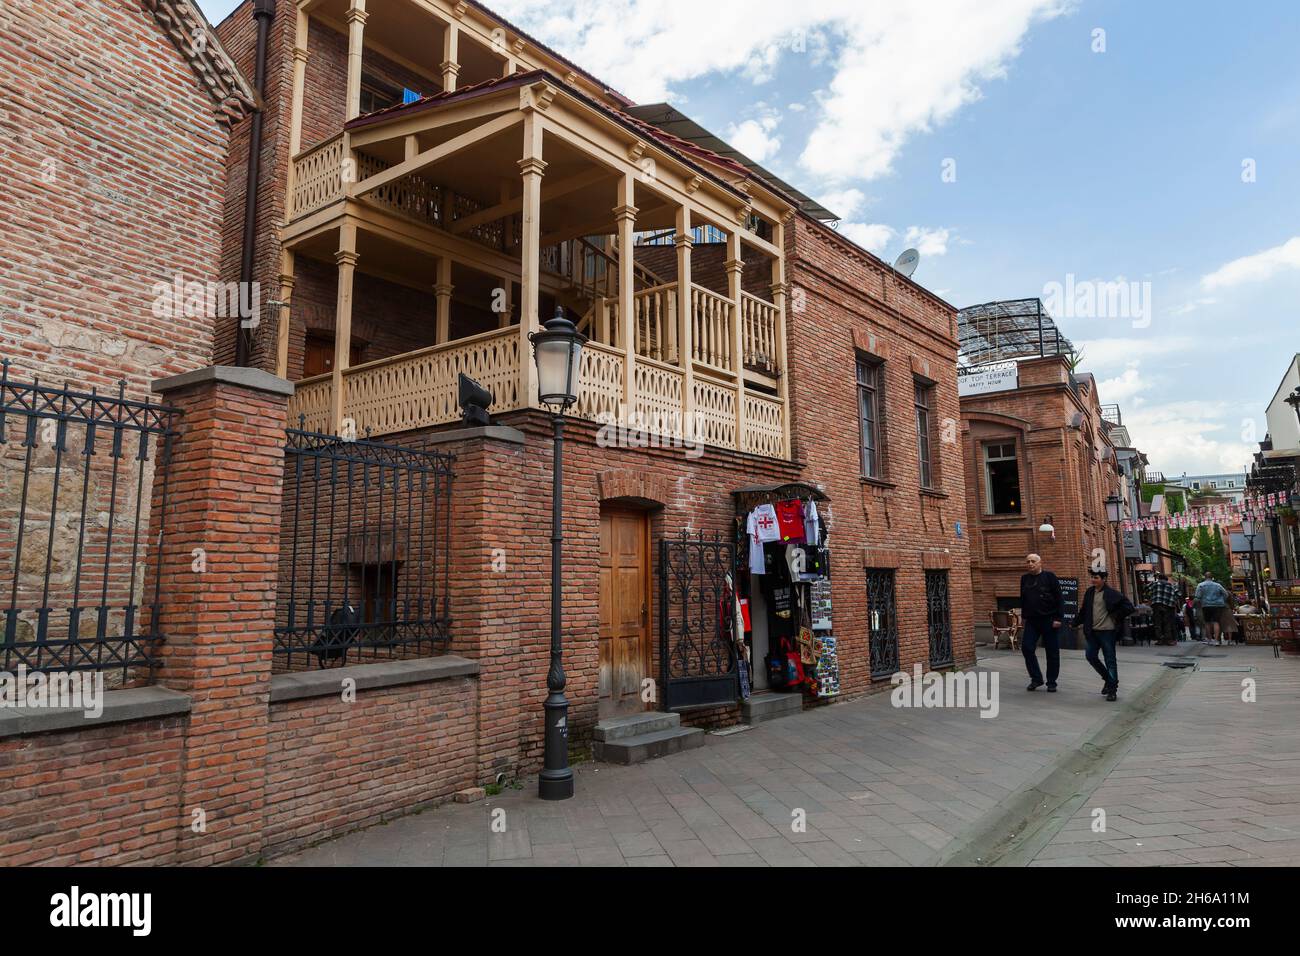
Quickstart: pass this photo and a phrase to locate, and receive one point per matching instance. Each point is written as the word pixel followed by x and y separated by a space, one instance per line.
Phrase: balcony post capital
pixel 625 211
pixel 532 166
pixel 346 257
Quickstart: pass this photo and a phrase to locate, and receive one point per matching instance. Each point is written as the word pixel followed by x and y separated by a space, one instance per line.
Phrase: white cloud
pixel 1177 436
pixel 1113 353
pixel 755 137
pixel 845 203
pixel 1258 267
pixel 1193 305
pixel 928 242
pixel 897 69
pixel 872 236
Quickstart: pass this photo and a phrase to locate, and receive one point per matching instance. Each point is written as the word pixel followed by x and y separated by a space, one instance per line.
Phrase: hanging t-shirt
pixel 789 519
pixel 811 531
pixel 756 561
pixel 765 523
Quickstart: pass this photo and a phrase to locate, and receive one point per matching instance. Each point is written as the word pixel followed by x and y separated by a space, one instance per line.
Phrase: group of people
pixel 1101 614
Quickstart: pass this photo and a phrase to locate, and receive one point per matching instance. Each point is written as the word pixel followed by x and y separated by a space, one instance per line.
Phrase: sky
pixel 1141 155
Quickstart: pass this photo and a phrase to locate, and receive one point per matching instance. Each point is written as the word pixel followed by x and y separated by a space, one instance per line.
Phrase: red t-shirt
pixel 789 520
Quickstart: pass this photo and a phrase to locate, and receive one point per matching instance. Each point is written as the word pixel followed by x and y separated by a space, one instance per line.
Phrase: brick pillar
pixel 223 496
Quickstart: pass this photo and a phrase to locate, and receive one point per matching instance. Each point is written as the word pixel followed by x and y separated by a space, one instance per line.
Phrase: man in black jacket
pixel 1043 610
pixel 1102 611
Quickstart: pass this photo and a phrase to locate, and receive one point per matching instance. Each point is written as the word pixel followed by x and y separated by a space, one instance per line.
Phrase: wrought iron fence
pixel 938 618
pixel 882 623
pixel 696 659
pixel 77 524
pixel 364 552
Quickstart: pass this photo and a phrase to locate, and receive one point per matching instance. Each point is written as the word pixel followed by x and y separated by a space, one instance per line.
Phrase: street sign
pixel 983 379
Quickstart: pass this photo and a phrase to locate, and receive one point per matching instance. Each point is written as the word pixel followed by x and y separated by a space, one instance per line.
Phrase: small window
pixel 923 444
pixel 870 375
pixel 1001 479
pixel 378 95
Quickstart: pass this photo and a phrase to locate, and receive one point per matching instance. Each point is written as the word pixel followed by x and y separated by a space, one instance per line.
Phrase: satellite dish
pixel 907 261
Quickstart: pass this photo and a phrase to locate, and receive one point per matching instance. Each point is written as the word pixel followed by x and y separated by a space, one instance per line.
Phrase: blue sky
pixel 1103 157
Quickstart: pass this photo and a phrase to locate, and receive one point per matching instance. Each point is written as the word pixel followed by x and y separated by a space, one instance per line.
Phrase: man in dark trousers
pixel 1043 609
pixel 1102 611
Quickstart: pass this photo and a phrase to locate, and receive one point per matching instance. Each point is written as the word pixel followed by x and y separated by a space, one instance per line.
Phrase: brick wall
pixel 843 302
pixel 110 794
pixel 328 770
pixel 114 171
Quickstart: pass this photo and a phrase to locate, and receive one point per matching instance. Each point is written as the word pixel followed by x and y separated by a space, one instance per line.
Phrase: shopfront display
pixel 786 586
pixel 1284 607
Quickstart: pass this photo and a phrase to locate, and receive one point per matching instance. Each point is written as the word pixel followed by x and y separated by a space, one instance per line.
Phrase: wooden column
pixel 531 167
pixel 625 216
pixel 346 258
pixel 735 269
pixel 779 290
pixel 286 312
pixel 356 26
pixel 685 335
pixel 443 292
pixel 450 65
pixel 295 109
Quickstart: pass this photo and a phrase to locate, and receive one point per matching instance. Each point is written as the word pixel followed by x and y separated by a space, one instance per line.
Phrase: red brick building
pixel 115 138
pixel 1036 452
pixel 419 219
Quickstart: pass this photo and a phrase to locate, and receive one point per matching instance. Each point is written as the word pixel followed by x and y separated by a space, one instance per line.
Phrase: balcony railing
pixel 418 390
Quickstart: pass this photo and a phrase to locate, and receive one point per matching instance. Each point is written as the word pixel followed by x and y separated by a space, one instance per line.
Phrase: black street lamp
pixel 557 351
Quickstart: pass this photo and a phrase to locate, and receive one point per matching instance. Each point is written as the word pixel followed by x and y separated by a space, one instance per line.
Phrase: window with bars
pixel 882 623
pixel 870 379
pixel 923 396
pixel 938 617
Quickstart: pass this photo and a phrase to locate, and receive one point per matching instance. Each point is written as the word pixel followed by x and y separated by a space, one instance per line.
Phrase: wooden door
pixel 318 357
pixel 624 610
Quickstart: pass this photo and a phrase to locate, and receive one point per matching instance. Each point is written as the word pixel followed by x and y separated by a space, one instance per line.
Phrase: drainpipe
pixel 263 14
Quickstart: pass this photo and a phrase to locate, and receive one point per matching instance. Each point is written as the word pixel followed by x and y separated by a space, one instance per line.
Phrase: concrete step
pixel 629 750
pixel 633 725
pixel 769 705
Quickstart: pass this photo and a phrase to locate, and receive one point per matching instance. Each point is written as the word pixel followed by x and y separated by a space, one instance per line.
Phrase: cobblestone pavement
pixel 1209 780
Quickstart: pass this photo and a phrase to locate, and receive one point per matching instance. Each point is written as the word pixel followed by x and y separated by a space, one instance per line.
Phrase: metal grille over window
pixel 364 552
pixel 882 623
pixel 77 532
pixel 938 618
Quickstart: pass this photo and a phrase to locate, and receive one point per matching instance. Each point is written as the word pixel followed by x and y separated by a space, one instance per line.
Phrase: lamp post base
pixel 555 782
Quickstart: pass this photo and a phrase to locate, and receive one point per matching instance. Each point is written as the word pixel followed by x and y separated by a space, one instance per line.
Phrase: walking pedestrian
pixel 1102 611
pixel 1213 599
pixel 1164 608
pixel 1043 608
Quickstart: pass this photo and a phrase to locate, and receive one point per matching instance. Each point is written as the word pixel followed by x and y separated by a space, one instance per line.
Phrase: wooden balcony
pixel 418 390
pixel 452 197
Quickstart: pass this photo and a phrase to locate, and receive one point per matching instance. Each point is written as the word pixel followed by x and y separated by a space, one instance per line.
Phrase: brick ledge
pixel 324 683
pixel 120 706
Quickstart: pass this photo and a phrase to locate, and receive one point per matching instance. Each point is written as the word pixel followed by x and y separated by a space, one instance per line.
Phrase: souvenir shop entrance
pixel 785 640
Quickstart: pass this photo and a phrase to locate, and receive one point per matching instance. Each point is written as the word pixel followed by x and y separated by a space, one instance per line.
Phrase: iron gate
pixel 882 623
pixel 697 660
pixel 364 552
pixel 938 618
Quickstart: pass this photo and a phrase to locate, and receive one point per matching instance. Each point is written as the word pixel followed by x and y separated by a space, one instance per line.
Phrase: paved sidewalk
pixel 879 785
pixel 1214 781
